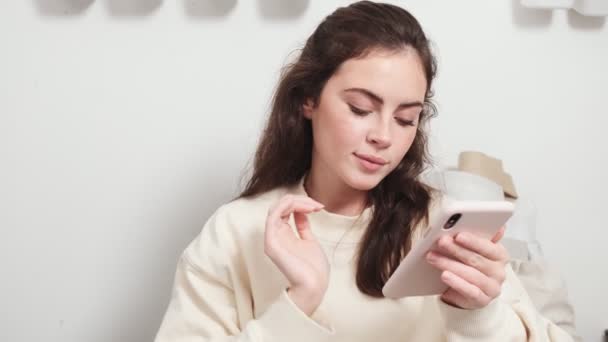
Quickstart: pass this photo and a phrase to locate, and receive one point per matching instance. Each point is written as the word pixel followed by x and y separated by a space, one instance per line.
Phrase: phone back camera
pixel 452 221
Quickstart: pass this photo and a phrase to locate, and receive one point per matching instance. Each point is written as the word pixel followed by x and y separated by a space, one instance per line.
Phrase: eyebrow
pixel 379 100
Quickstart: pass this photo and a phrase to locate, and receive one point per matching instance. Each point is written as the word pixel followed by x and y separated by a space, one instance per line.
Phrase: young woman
pixel 335 202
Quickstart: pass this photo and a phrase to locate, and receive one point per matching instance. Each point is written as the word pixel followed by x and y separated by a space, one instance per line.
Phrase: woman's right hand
pixel 300 258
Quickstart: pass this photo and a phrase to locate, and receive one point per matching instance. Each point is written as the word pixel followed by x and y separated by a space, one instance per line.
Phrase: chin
pixel 362 181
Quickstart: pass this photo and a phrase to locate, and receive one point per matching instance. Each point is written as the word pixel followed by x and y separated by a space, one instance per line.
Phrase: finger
pixel 454 299
pixel 302 198
pixel 279 214
pixel 481 246
pixel 287 198
pixel 303 226
pixel 287 205
pixel 470 292
pixel 499 235
pixel 448 247
pixel 295 202
pixel 488 285
pixel 275 220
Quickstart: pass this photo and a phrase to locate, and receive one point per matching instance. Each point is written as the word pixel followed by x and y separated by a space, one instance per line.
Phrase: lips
pixel 372 159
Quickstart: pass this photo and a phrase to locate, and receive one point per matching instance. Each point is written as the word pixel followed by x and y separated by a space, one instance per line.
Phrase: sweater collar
pixel 332 227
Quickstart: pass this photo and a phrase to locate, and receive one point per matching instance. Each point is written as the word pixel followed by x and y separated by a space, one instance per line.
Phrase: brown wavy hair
pixel 284 154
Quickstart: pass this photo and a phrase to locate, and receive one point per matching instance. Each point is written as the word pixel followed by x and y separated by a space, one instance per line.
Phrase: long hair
pixel 284 154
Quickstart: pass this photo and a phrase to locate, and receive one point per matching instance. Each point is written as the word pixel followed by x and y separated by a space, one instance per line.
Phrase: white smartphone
pixel 415 276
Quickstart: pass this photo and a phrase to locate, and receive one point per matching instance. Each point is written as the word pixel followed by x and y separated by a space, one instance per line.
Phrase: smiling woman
pixel 335 202
pixel 367 115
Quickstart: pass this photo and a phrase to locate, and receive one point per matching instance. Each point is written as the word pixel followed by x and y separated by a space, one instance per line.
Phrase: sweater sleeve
pixel 203 304
pixel 547 291
pixel 510 317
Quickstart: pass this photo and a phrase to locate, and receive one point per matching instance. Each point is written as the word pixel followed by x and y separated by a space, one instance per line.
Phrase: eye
pixel 404 122
pixel 358 111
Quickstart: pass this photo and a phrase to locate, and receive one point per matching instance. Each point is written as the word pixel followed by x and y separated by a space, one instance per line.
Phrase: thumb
pixel 303 226
pixel 499 234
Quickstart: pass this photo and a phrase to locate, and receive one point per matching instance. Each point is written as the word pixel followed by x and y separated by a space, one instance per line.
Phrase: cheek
pixel 405 143
pixel 410 136
pixel 350 132
pixel 337 130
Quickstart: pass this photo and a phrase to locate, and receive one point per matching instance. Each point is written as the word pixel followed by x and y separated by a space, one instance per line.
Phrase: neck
pixel 337 196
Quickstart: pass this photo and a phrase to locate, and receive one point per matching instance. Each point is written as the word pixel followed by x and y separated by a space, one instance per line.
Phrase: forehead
pixel 397 75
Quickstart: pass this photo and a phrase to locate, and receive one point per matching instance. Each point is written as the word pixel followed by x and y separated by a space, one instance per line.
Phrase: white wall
pixel 124 124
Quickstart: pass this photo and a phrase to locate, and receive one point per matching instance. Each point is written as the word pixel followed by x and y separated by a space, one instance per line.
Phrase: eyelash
pixel 361 112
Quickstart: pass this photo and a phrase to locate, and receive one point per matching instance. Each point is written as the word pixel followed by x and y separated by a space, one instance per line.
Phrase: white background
pixel 124 124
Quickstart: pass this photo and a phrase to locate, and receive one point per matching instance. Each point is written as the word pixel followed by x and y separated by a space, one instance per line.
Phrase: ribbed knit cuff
pixel 479 324
pixel 284 321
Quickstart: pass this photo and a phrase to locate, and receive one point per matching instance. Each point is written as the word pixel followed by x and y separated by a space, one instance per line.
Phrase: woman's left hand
pixel 473 268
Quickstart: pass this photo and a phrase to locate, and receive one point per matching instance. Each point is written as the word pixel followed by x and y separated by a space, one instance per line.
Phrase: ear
pixel 307 108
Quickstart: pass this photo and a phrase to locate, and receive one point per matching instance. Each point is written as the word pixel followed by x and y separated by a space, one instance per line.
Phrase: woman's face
pixel 369 109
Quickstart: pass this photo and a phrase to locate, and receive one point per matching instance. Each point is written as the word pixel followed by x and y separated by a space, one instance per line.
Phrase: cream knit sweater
pixel 227 289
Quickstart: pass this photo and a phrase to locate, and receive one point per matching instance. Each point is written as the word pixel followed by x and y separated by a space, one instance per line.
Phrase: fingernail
pixel 463 237
pixel 447 275
pixel 431 256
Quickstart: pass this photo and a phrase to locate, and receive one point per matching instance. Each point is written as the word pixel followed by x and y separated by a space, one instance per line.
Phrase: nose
pixel 380 135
